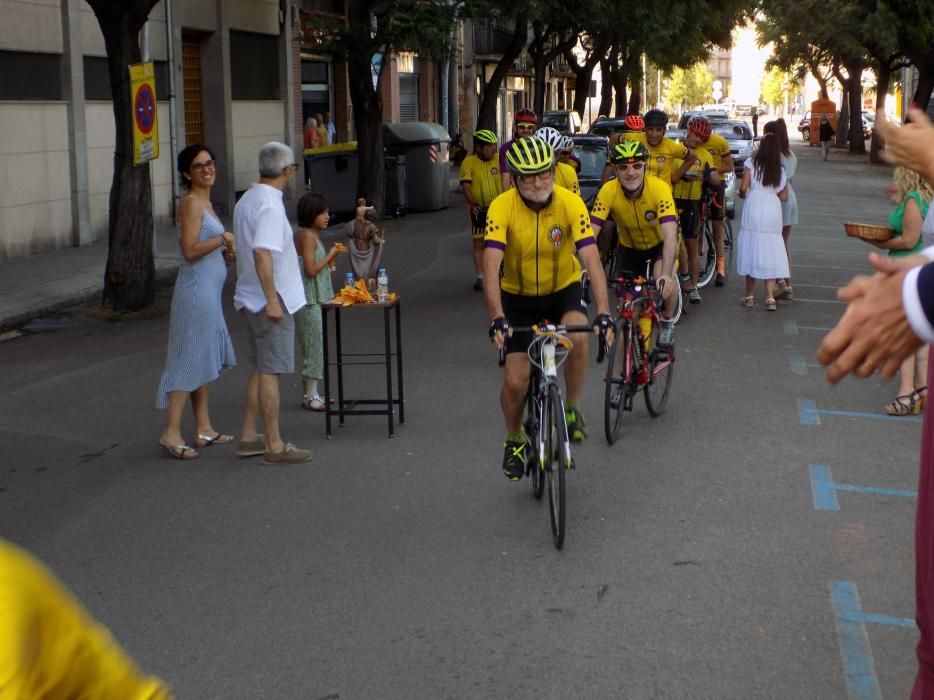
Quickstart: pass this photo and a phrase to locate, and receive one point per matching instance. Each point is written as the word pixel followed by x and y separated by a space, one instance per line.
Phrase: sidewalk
pixel 43 284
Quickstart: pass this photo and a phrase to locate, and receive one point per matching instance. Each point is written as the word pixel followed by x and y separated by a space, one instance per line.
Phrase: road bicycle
pixel 634 360
pixel 549 448
pixel 706 247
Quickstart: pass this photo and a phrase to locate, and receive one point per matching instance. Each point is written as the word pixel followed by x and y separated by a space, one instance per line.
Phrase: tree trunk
pixel 619 72
pixel 884 75
pixel 368 124
pixel 854 70
pixel 538 80
pixel 487 117
pixel 842 129
pixel 925 87
pixel 821 82
pixel 129 274
pixel 606 85
pixel 635 84
pixel 583 75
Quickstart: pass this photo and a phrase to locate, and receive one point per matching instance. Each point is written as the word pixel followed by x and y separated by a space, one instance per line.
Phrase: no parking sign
pixel 145 117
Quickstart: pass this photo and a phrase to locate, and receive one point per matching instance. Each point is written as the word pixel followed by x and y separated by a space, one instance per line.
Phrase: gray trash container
pixel 426 147
pixel 396 195
pixel 333 172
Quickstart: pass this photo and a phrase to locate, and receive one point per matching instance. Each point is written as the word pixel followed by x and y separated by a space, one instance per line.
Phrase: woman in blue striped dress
pixel 199 344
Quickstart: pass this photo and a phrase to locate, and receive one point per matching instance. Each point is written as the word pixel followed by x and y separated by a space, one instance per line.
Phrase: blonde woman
pixel 912 194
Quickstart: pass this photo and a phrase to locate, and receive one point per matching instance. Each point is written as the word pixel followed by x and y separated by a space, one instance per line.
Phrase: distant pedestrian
pixel 755 122
pixel 269 291
pixel 313 216
pixel 778 127
pixel 329 125
pixel 199 347
pixel 760 253
pixel 311 140
pixel 826 133
pixel 322 130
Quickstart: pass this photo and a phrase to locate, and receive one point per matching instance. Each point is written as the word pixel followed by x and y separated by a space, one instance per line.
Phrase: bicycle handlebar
pixel 555 328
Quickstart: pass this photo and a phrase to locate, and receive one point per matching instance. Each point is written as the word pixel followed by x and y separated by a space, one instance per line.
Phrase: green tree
pixel 129 275
pixel 777 86
pixel 689 87
pixel 381 27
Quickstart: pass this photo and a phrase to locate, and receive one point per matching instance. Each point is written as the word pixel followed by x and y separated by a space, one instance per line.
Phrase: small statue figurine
pixel 367 248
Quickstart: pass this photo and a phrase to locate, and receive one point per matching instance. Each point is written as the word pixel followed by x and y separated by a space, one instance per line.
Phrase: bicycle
pixel 634 360
pixel 706 248
pixel 544 422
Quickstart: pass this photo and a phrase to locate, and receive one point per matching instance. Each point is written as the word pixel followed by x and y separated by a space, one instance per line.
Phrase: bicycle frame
pixel 634 292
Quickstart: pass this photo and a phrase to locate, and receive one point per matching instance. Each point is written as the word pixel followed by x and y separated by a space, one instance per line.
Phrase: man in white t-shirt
pixel 269 291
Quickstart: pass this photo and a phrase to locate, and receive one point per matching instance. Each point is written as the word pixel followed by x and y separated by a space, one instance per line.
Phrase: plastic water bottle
pixel 382 286
pixel 348 280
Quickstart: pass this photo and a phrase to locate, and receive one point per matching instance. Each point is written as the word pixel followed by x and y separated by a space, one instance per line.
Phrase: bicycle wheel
pixel 661 369
pixel 558 457
pixel 532 424
pixel 707 256
pixel 679 303
pixel 615 389
pixel 727 246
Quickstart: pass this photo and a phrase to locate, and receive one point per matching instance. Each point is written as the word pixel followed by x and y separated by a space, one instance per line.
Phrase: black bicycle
pixel 548 452
pixel 706 248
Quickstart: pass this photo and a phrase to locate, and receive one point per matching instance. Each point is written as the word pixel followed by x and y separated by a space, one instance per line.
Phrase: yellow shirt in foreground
pixel 637 220
pixel 51 648
pixel 484 177
pixel 538 247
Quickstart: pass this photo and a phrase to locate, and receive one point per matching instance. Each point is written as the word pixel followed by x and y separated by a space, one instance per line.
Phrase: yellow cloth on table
pixel 51 648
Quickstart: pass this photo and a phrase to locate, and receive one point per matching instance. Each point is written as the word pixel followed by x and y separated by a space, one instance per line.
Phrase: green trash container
pixel 426 147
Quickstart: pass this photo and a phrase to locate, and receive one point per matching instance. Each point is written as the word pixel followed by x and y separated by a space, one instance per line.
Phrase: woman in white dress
pixel 760 250
pixel 790 206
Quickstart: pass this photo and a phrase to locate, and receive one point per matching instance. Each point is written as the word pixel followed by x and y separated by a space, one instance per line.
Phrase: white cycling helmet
pixel 551 136
pixel 567 144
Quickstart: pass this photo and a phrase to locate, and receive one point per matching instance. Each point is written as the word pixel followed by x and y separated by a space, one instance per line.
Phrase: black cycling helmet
pixel 655 117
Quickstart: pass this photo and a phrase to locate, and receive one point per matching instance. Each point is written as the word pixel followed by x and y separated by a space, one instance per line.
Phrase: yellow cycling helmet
pixel 629 152
pixel 484 136
pixel 529 156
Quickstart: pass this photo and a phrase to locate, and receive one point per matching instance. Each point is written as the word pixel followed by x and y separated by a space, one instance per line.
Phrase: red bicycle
pixel 634 360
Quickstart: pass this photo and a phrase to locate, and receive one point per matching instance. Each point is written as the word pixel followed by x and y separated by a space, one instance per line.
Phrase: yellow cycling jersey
pixel 50 647
pixel 638 221
pixel 484 178
pixel 717 146
pixel 662 156
pixel 538 247
pixel 690 187
pixel 566 177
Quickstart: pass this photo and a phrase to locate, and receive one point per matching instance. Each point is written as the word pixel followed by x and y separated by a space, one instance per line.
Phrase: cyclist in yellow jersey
pixel 690 175
pixel 50 647
pixel 566 154
pixel 482 182
pixel 533 231
pixel 565 174
pixel 662 151
pixel 700 135
pixel 634 130
pixel 646 222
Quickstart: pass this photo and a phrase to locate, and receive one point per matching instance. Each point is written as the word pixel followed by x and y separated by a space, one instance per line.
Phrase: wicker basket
pixel 868 232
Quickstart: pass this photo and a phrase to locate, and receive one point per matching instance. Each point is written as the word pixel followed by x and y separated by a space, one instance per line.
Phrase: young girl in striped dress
pixel 313 215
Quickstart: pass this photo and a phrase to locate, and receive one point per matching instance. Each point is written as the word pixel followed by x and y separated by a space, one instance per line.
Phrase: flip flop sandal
pixel 770 305
pixel 901 405
pixel 183 452
pixel 208 440
pixel 749 302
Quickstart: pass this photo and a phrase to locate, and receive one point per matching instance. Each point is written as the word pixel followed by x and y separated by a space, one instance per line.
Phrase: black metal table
pixel 383 406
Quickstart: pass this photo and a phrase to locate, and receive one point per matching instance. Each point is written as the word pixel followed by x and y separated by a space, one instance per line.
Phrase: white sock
pixel 311 387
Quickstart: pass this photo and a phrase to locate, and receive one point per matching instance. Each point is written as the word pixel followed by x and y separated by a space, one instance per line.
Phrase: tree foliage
pixel 777 86
pixel 689 87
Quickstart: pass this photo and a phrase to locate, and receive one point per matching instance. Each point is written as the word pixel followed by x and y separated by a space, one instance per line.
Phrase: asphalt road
pixel 696 563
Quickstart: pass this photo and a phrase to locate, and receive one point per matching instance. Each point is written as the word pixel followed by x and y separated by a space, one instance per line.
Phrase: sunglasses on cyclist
pixel 525 127
pixel 637 166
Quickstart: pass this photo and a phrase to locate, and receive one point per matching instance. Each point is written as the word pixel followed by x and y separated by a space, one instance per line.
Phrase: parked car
pixel 592 151
pixel 804 126
pixel 565 121
pixel 607 127
pixel 739 135
pixel 712 115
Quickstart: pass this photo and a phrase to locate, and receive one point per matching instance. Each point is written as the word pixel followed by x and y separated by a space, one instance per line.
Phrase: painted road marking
pixel 800 366
pixel 792 328
pixel 824 489
pixel 818 301
pixel 810 414
pixel 859 668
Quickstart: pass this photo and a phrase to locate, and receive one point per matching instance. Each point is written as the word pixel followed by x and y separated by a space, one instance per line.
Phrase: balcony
pixel 490 40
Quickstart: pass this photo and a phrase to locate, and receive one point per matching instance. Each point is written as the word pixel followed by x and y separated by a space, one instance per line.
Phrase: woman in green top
pixel 913 196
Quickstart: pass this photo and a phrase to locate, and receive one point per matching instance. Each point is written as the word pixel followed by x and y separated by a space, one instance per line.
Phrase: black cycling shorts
pixel 634 261
pixel 526 311
pixel 689 217
pixel 717 201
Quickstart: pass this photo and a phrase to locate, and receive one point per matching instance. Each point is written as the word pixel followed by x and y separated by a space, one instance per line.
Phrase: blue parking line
pixel 799 365
pixel 814 328
pixel 791 328
pixel 810 414
pixel 824 489
pixel 859 668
